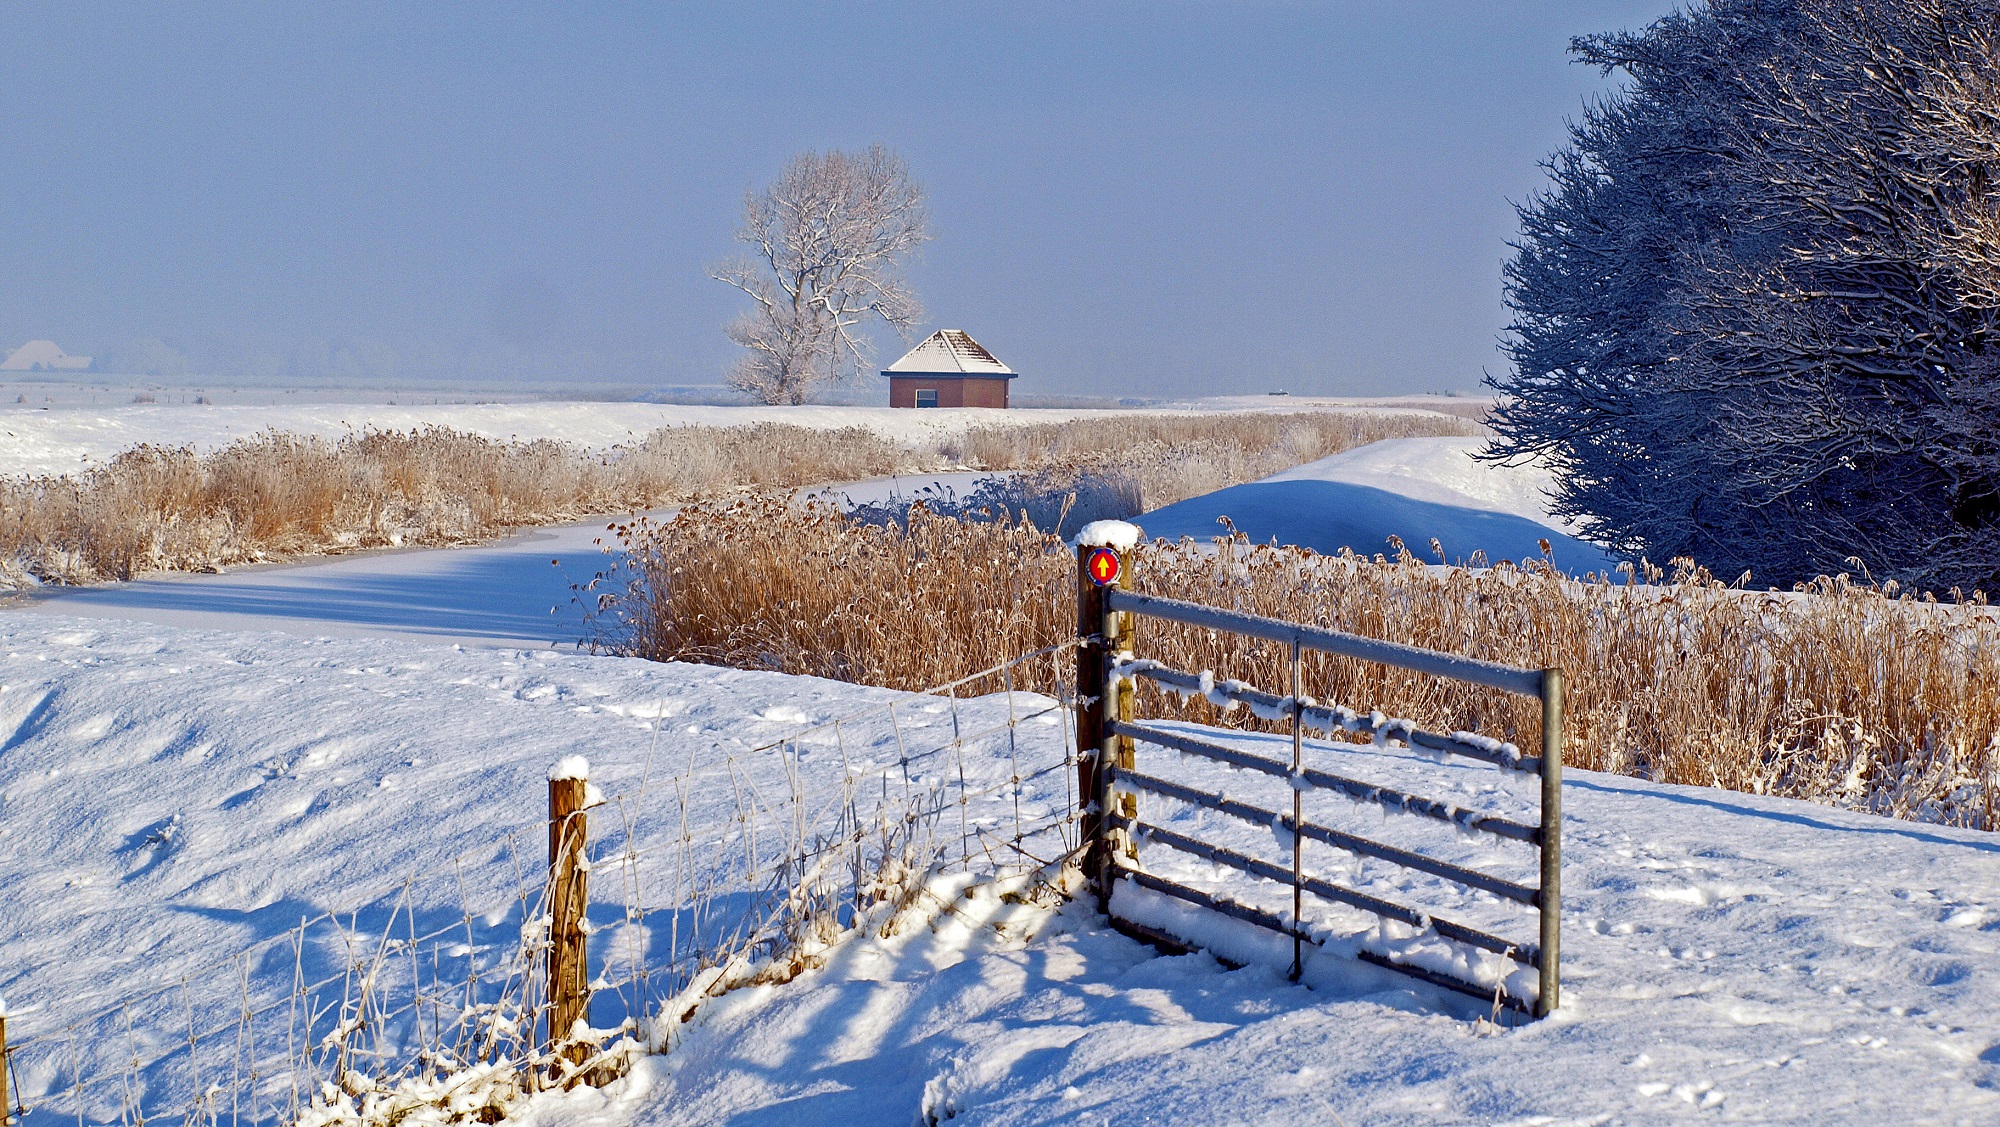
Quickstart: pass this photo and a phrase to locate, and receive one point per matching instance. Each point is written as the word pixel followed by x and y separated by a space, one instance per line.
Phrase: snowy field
pixel 65 439
pixel 189 766
pixel 171 797
pixel 167 794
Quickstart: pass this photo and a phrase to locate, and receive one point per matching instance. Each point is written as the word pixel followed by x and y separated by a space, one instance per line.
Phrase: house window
pixel 927 397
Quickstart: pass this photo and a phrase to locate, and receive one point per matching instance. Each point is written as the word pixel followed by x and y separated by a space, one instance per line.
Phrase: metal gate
pixel 1111 778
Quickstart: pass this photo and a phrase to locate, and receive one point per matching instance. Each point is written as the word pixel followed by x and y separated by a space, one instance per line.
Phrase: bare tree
pixel 829 238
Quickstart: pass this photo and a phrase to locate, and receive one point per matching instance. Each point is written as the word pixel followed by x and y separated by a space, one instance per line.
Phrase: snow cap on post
pixel 1117 534
pixel 570 767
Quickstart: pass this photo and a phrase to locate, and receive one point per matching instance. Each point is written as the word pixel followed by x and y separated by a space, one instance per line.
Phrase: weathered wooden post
pixel 1101 564
pixel 1550 995
pixel 568 893
pixel 1124 633
pixel 1298 812
pixel 1091 669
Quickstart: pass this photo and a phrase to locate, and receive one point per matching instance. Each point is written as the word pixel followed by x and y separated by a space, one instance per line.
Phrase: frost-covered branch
pixel 1755 308
pixel 829 238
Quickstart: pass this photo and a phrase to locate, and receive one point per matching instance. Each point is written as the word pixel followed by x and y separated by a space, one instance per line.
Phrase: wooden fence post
pixel 568 892
pixel 1092 663
pixel 1549 997
pixel 1103 634
pixel 1122 629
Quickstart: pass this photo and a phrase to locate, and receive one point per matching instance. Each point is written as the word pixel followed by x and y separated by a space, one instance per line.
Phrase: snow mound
pixel 1418 489
pixel 1444 470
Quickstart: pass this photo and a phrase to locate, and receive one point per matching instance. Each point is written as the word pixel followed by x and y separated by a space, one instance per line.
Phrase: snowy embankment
pixel 166 795
pixel 1417 489
pixel 61 440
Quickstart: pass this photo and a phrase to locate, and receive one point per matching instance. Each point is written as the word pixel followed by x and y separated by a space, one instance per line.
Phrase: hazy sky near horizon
pixel 1127 198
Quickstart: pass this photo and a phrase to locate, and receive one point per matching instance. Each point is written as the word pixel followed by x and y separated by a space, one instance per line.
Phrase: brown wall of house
pixel 956 391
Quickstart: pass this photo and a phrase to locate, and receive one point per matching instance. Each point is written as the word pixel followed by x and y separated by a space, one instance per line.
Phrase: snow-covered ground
pixel 170 797
pixel 516 592
pixel 167 795
pixel 56 440
pixel 1418 489
pixel 179 779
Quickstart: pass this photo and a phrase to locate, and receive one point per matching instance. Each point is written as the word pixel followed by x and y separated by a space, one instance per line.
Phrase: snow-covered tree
pixel 829 238
pixel 1755 311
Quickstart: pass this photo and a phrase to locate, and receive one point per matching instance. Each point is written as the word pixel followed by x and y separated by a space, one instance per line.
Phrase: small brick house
pixel 949 369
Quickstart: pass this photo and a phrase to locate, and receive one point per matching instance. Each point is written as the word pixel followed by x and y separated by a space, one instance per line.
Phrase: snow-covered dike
pixel 1443 470
pixel 57 440
pixel 167 795
pixel 1418 489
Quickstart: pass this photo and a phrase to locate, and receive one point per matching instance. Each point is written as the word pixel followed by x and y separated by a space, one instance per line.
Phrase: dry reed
pixel 1840 694
pixel 279 496
pixel 1174 457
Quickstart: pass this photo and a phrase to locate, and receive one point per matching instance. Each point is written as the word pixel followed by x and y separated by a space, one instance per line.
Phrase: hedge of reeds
pixel 280 496
pixel 1838 693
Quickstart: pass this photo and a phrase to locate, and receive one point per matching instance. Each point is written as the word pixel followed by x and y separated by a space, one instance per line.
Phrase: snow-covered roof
pixel 43 354
pixel 949 352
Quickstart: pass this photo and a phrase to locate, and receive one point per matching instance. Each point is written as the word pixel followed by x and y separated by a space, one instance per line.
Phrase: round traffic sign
pixel 1104 566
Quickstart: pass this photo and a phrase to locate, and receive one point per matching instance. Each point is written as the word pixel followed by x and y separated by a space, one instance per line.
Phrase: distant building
pixel 42 355
pixel 949 369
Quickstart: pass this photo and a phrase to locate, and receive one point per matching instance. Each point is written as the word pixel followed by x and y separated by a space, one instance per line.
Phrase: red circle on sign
pixel 1104 567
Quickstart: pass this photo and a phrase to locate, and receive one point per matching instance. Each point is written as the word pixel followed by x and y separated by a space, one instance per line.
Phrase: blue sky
pixel 1127 198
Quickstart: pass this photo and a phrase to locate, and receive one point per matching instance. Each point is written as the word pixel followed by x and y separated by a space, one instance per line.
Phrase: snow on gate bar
pixel 1436 950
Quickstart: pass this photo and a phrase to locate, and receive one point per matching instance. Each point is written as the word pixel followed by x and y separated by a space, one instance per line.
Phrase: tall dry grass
pixel 767 585
pixel 1839 694
pixel 1174 457
pixel 280 496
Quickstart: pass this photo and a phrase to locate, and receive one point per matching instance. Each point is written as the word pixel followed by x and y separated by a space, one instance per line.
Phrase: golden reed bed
pixel 279 496
pixel 1839 693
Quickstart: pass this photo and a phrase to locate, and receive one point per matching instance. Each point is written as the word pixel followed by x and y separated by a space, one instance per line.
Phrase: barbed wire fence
pixel 427 994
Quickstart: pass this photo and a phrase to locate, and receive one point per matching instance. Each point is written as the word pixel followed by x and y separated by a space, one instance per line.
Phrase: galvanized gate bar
pixel 1353 788
pixel 1526 682
pixel 1201 899
pixel 1263 919
pixel 1501 996
pixel 1526 954
pixel 1471 878
pixel 1552 817
pixel 1326 719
